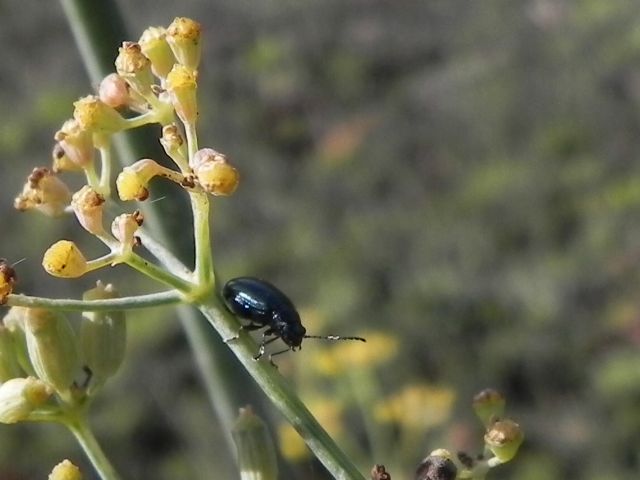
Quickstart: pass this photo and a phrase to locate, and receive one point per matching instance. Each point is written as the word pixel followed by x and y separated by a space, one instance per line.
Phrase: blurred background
pixel 458 181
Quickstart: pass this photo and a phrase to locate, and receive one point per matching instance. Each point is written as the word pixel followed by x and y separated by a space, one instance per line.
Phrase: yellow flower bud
pixel 256 452
pixel 183 35
pixel 65 470
pixel 133 180
pixel 7 280
pixel 77 143
pixel 135 68
pixel 63 259
pixel 93 114
pixel 214 173
pixel 45 192
pixel 114 91
pixel 182 86
pixel 52 347
pixel 154 45
pixel 488 405
pixel 9 366
pixel 21 396
pixel 102 337
pixel 504 438
pixel 88 205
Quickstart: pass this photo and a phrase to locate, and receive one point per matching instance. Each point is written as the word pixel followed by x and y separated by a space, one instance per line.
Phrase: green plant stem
pixel 280 393
pixel 157 273
pixel 81 430
pixel 170 297
pixel 202 236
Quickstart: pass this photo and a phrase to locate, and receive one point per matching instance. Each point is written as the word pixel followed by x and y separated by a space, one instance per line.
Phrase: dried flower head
pixel 44 192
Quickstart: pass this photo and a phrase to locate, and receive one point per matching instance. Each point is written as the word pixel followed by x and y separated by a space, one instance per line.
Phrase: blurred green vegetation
pixel 463 176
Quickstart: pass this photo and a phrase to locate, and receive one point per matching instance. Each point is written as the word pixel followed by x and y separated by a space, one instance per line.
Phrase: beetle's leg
pixel 264 343
pixel 278 353
pixel 249 327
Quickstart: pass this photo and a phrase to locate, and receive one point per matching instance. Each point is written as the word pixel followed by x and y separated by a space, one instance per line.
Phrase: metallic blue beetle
pixel 265 306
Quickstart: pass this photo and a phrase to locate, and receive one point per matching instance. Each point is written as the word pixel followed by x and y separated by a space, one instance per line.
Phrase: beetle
pixel 265 306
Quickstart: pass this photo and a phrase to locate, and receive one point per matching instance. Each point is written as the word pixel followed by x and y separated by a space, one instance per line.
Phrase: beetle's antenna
pixel 335 337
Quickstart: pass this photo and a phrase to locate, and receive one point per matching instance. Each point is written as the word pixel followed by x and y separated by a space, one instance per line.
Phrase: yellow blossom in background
pixel 417 406
pixel 379 348
pixel 292 447
pixel 328 412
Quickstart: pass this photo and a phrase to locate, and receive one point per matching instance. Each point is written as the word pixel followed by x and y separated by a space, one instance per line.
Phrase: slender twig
pixel 171 297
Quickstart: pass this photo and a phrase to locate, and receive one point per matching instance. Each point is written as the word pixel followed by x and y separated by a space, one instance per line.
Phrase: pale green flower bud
pixel 93 114
pixel 65 470
pixel 504 439
pixel 256 452
pixel 103 337
pixel 88 205
pixel 52 347
pixel 9 366
pixel 183 35
pixel 21 396
pixel 182 86
pixel 154 45
pixel 489 405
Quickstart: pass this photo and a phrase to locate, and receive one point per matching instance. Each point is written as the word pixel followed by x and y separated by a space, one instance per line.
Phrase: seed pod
pixel 20 396
pixel 14 322
pixel 52 347
pixel 256 452
pixel 9 366
pixel 103 337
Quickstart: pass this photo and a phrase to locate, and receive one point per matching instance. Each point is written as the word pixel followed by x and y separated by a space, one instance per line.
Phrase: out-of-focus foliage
pixel 463 176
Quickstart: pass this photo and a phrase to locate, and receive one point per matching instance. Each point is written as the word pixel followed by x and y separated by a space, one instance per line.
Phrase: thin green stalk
pixel 170 297
pixel 157 273
pixel 86 439
pixel 202 236
pixel 280 393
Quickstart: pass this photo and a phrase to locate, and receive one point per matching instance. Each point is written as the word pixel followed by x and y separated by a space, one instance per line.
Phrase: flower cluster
pixel 155 82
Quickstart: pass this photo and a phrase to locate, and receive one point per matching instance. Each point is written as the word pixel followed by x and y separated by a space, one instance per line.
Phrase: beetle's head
pixel 293 333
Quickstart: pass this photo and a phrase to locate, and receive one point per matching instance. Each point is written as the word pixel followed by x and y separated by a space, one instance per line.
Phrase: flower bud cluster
pixel 41 355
